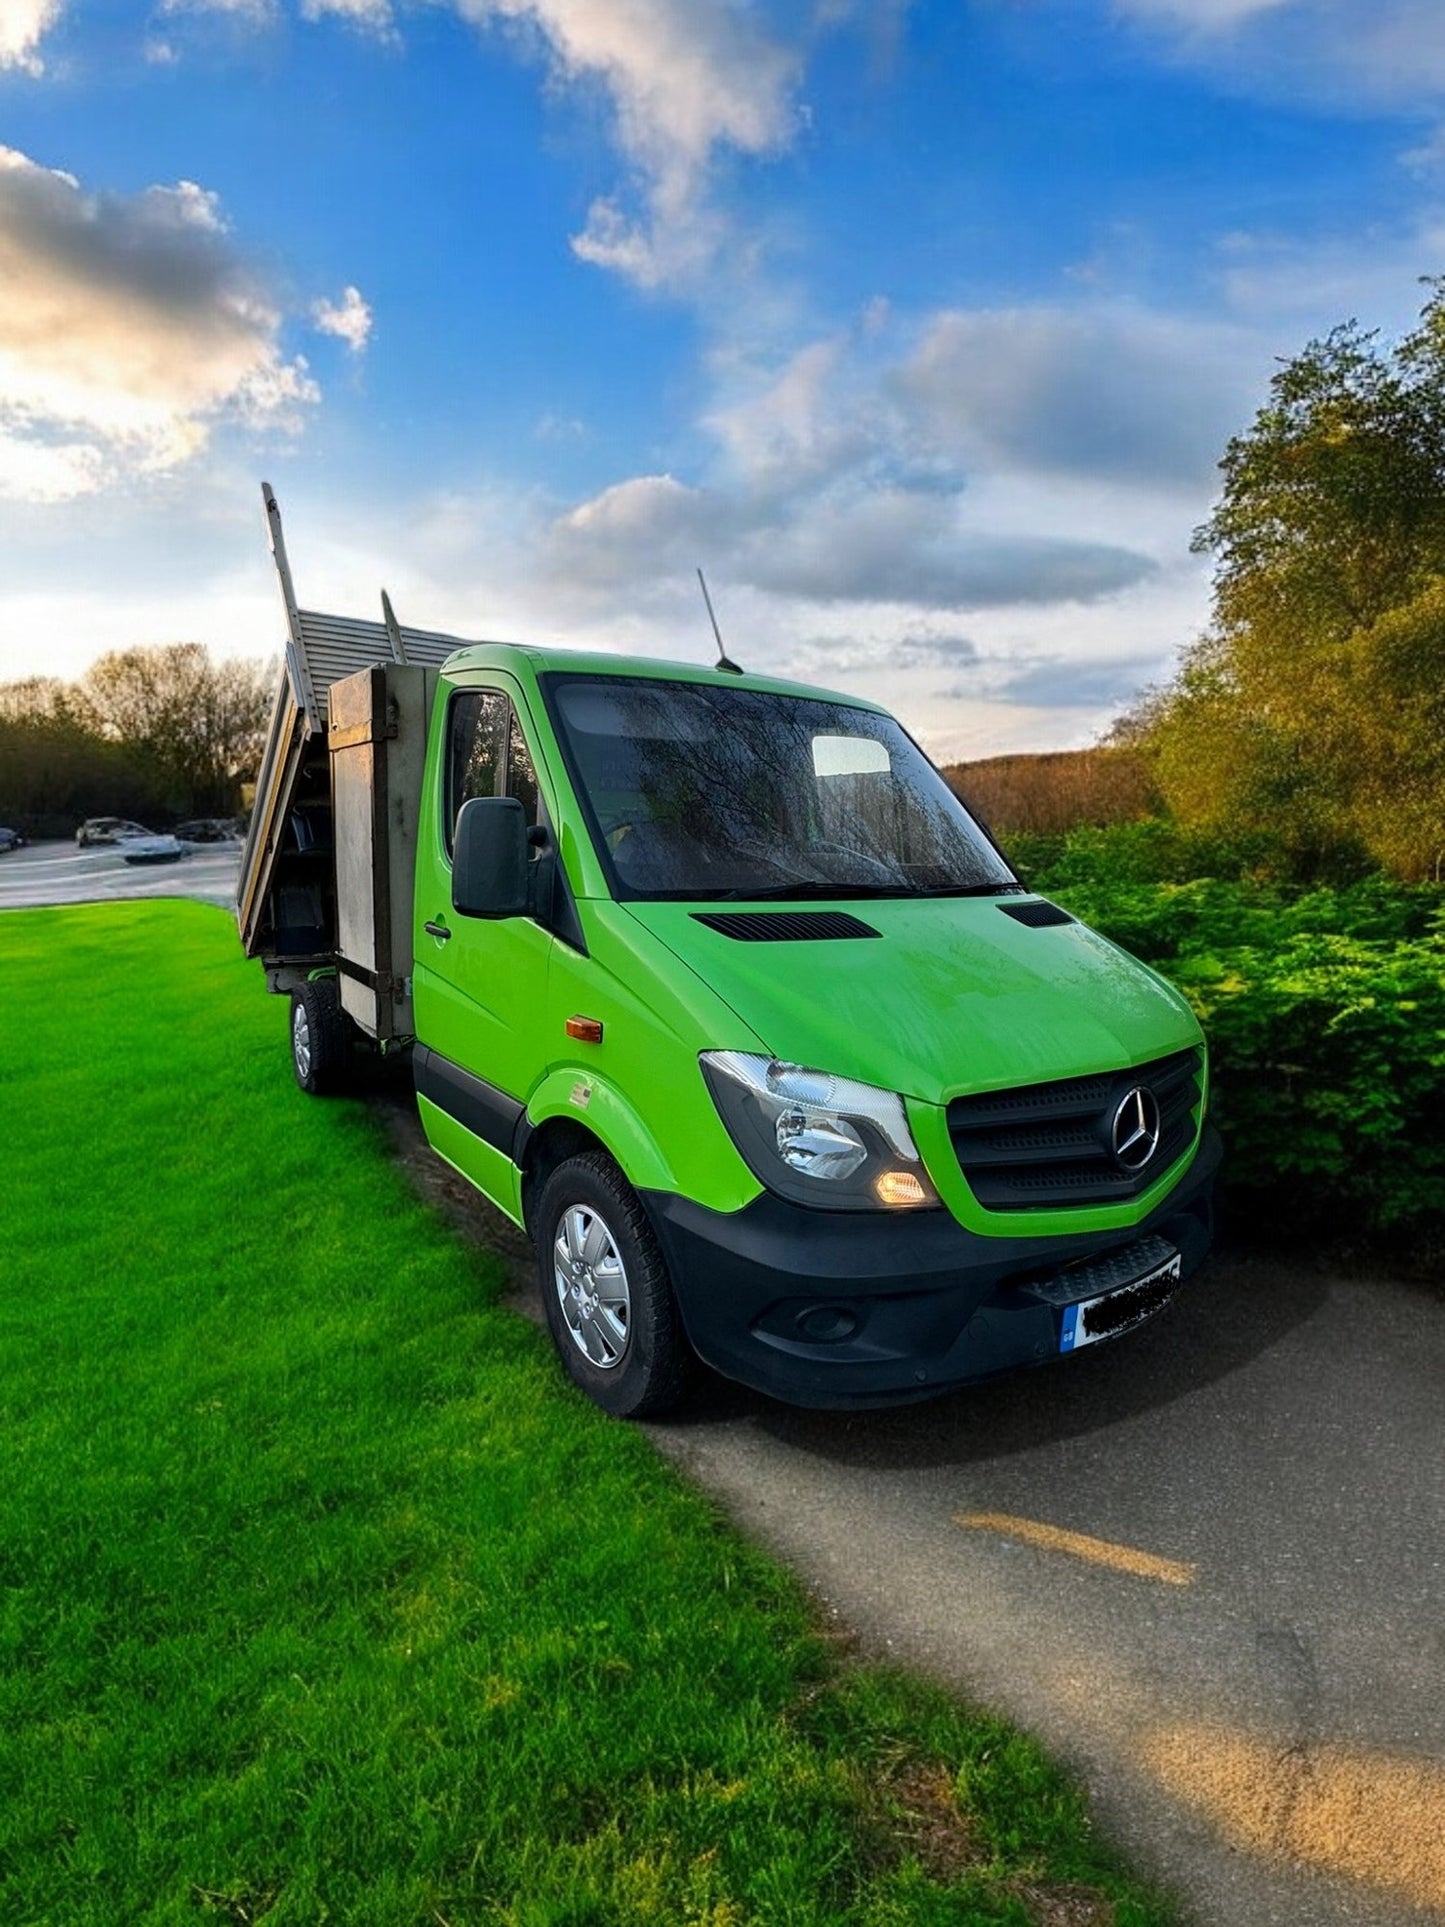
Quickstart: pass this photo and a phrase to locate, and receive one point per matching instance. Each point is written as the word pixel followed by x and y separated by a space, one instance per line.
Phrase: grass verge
pixel 323 1598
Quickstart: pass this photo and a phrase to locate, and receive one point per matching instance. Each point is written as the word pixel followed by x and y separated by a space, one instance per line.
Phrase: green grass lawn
pixel 323 1598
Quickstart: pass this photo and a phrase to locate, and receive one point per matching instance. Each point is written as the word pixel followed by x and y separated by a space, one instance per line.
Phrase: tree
pixel 54 768
pixel 148 733
pixel 1313 705
pixel 200 724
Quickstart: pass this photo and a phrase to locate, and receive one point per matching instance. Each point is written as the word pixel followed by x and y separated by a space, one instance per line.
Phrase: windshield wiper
pixel 972 890
pixel 799 892
pixel 835 892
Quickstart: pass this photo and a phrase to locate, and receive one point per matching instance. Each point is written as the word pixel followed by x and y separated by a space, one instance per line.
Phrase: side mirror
pixel 489 860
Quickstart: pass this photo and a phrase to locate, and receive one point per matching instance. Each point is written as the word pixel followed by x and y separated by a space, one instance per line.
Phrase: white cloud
pixel 986 459
pixel 980 517
pixel 1426 155
pixel 554 427
pixel 372 16
pixel 23 25
pixel 818 657
pixel 809 419
pixel 129 328
pixel 253 12
pixel 34 471
pixel 1062 682
pixel 1344 50
pixel 1104 391
pixel 685 80
pixel 349 319
pixel 685 77
pixel 1208 16
pixel 827 532
pixel 1295 288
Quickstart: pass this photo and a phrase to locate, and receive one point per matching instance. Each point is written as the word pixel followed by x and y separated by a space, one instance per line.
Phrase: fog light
pixel 899 1187
pixel 827 1322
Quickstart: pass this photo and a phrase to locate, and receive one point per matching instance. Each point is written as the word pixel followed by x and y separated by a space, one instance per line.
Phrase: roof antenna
pixel 724 660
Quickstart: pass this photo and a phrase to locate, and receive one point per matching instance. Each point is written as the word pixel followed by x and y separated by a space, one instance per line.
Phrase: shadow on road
pixel 1238 1308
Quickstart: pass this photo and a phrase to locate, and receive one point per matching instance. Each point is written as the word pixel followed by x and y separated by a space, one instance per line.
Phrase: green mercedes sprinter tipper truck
pixel 711 983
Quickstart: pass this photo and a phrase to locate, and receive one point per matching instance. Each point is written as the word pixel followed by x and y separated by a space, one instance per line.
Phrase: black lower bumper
pixel 857 1308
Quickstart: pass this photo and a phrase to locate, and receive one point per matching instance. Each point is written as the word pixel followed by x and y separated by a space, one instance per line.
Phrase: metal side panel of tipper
pixel 286 903
pixel 377 735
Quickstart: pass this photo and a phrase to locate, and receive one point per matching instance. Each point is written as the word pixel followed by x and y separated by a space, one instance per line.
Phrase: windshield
pixel 699 791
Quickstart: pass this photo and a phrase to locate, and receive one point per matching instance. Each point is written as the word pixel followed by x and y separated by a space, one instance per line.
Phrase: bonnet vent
pixel 1038 916
pixel 786 926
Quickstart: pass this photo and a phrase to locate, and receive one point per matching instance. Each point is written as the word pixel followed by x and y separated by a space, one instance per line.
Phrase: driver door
pixel 480 983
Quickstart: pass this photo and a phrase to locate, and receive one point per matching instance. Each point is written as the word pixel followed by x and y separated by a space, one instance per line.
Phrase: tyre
pixel 609 1302
pixel 321 1038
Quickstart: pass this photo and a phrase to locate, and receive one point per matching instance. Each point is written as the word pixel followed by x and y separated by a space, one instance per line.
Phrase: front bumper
pixel 858 1308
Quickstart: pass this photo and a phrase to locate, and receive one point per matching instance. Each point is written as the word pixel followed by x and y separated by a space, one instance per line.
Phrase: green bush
pixel 1157 849
pixel 1325 1012
pixel 1329 1055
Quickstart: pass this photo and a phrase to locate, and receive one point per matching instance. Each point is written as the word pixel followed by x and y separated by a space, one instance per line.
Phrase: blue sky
pixel 920 326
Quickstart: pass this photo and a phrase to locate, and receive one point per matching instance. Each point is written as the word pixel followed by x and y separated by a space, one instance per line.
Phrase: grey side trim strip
pixel 484 1110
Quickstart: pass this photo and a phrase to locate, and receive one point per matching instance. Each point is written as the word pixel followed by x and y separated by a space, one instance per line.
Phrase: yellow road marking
pixel 1343 1809
pixel 1099 1552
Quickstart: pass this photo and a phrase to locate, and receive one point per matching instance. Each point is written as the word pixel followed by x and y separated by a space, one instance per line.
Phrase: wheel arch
pixel 572 1112
pixel 548 1145
pixel 666 1147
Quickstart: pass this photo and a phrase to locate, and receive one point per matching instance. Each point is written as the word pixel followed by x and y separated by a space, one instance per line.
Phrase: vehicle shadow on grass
pixel 1236 1310
pixel 391 1100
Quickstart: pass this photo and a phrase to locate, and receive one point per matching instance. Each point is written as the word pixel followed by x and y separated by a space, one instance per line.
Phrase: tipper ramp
pixel 293 788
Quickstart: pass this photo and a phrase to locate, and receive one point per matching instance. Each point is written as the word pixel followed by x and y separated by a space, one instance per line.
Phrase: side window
pixel 476 750
pixel 487 755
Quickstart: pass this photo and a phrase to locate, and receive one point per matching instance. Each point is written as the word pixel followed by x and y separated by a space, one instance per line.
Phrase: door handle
pixel 437 930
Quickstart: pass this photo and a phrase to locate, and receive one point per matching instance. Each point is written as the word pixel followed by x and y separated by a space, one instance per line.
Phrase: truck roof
pixel 538 659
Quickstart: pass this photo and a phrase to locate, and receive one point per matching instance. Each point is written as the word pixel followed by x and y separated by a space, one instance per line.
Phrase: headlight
pixel 817 1139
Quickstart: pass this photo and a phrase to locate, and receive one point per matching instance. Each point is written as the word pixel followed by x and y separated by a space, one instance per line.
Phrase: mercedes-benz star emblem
pixel 1135 1130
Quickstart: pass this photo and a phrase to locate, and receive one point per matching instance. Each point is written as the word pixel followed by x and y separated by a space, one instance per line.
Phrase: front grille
pixel 1043 1145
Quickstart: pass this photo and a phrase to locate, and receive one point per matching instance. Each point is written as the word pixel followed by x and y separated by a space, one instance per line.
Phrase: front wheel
pixel 605 1288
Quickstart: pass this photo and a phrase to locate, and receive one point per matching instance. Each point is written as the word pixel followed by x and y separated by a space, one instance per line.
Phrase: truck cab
pixel 722 994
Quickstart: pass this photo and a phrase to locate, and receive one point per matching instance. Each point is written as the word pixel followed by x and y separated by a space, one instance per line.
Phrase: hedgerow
pixel 1325 1012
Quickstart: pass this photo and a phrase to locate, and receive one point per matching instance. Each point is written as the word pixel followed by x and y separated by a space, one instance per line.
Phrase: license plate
pixel 1115 1311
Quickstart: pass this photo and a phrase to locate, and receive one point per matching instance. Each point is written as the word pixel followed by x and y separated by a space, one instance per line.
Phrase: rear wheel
pixel 605 1288
pixel 321 1038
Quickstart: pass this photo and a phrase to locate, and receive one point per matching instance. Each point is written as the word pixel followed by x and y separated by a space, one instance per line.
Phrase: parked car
pixel 208 829
pixel 108 829
pixel 152 849
pixel 11 840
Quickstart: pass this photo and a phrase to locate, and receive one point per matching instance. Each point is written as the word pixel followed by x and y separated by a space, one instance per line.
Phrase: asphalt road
pixel 44 873
pixel 1204 1562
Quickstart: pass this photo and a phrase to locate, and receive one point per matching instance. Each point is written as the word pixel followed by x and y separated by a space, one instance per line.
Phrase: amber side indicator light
pixel 588 1030
pixel 899 1187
